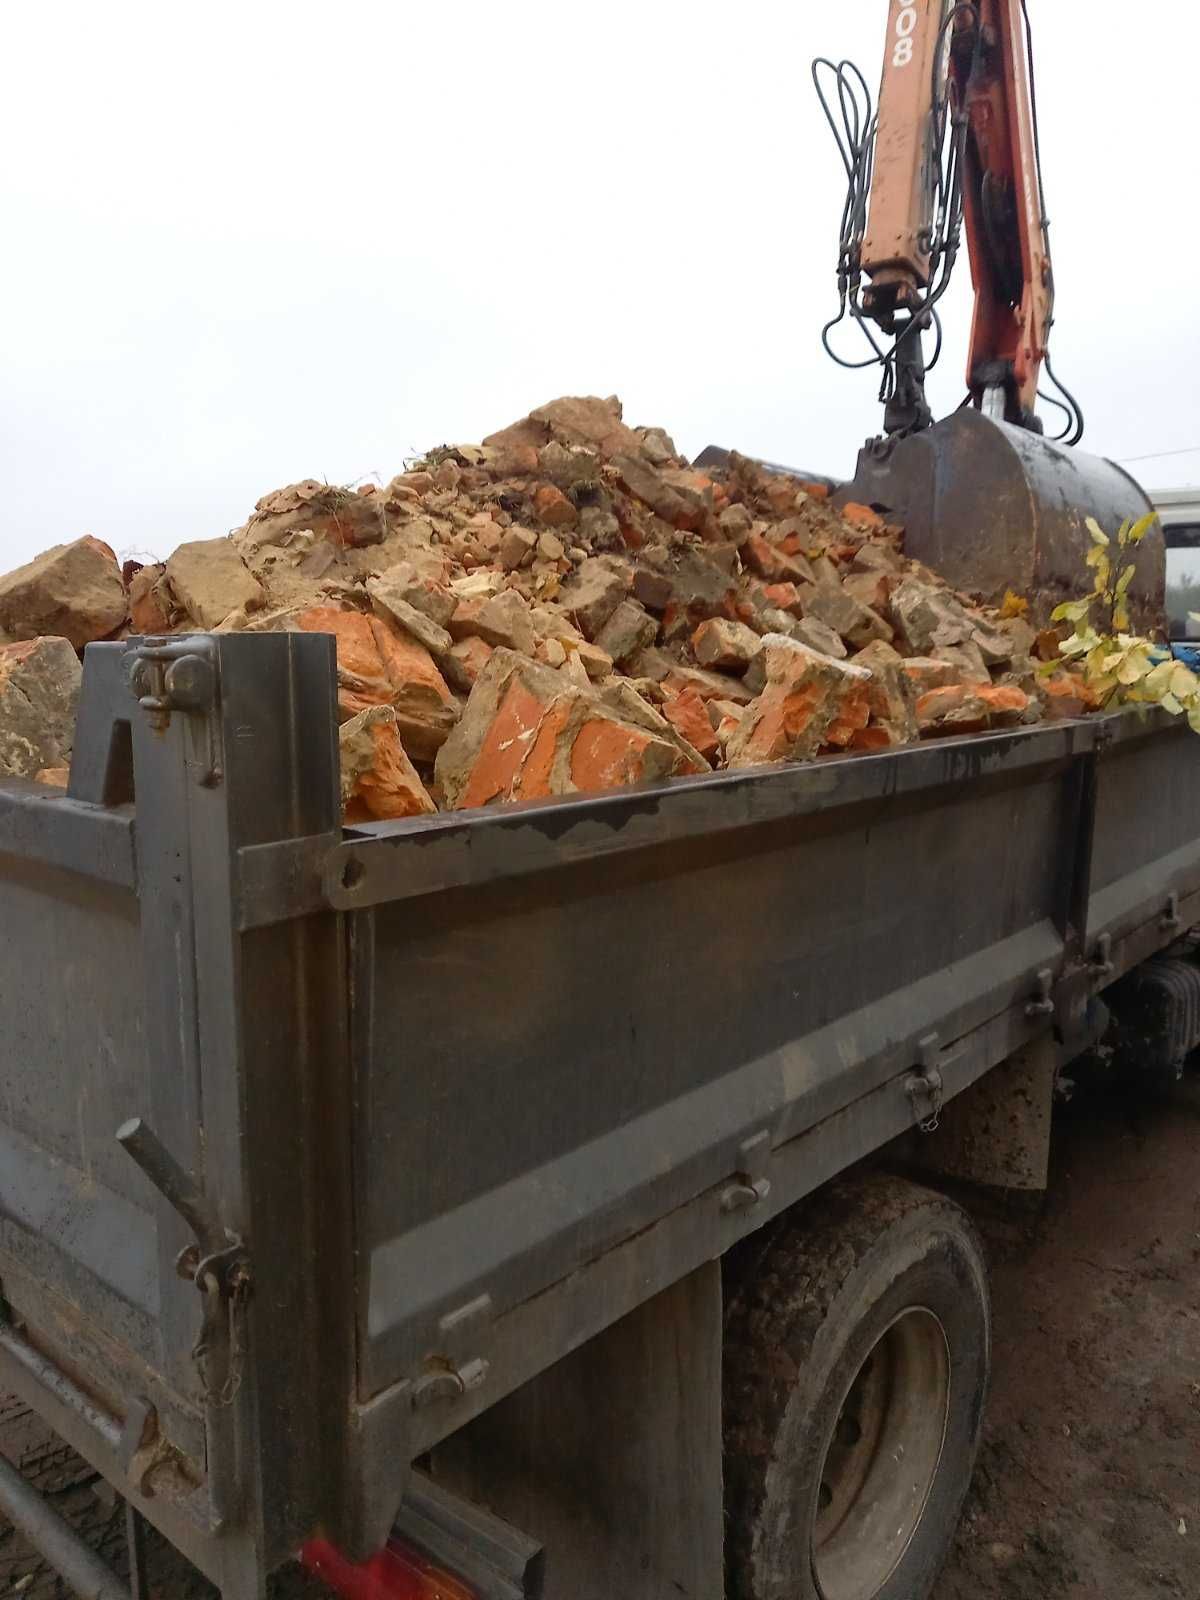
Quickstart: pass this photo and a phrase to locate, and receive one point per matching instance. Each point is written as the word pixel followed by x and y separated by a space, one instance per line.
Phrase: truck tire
pixel 857 1356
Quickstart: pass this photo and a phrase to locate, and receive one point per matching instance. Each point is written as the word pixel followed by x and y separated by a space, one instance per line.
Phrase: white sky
pixel 250 243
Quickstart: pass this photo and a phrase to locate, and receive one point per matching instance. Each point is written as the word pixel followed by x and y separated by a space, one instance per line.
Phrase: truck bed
pixel 461 1092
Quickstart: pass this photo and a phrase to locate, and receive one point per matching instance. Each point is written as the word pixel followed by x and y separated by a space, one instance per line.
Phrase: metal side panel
pixel 550 1061
pixel 130 995
pixel 73 1214
pixel 1145 869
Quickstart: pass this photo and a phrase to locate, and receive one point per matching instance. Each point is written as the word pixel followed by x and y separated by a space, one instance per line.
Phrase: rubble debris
pixel 39 692
pixel 805 695
pixel 72 592
pixel 379 782
pixel 210 581
pixel 528 733
pixel 568 606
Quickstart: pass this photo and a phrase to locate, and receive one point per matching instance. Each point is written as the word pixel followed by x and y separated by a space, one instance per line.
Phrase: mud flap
pixel 997 1132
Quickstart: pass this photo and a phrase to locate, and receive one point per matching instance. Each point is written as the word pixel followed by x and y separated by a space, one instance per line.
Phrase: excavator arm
pixel 961 73
pixel 951 150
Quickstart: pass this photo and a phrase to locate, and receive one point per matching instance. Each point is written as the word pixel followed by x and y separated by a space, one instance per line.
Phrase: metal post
pixel 135 1538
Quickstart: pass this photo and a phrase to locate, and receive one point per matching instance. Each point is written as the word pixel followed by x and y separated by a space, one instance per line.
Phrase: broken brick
pixel 871 589
pixel 818 635
pixel 688 713
pixel 848 617
pixel 678 507
pixel 892 694
pixel 149 601
pixel 518 547
pixel 1067 696
pixel 527 734
pixel 379 783
pixel 378 666
pixel 784 597
pixel 927 673
pixel 502 620
pixel 39 692
pixel 210 581
pixel 728 646
pixel 653 589
pixel 593 593
pixel 865 518
pixel 596 661
pixel 464 661
pixel 627 631
pixel 73 591
pixel 955 709
pixel 1005 701
pixel 772 563
pixel 388 603
pixel 553 507
pixel 805 693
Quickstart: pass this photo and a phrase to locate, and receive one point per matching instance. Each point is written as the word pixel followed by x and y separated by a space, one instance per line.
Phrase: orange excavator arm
pixel 953 148
pixel 968 63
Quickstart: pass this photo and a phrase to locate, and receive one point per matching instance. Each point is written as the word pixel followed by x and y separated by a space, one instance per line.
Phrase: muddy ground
pixel 1088 1485
pixel 1088 1482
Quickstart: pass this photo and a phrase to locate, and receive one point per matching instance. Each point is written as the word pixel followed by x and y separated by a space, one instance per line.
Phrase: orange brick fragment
pixel 553 507
pixel 379 782
pixel 806 694
pixel 864 517
pixel 528 732
pixel 688 715
pixel 379 666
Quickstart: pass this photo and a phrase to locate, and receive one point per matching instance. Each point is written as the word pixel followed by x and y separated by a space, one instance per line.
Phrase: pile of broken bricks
pixel 566 608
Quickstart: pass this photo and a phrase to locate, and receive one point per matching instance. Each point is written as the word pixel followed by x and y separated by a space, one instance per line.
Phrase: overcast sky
pixel 250 243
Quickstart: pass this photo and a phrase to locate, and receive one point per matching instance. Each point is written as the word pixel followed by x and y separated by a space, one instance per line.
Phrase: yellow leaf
pixel 1184 682
pixel 1097 559
pixel 1097 532
pixel 1158 681
pixel 1133 669
pixel 1070 611
pixel 1123 534
pixel 1169 703
pixel 1124 581
pixel 1013 605
pixel 1121 619
pixel 1142 527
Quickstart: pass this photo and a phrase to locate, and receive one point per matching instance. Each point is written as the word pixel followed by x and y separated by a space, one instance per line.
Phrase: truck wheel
pixel 856 1366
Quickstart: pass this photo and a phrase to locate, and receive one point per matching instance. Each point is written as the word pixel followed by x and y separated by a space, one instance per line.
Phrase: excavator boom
pixel 963 72
pixel 954 148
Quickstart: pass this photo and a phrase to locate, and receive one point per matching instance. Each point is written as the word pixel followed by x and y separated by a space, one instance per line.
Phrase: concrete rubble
pixel 565 608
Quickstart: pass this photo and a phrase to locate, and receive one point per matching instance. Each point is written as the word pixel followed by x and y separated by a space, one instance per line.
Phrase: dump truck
pixel 553 1199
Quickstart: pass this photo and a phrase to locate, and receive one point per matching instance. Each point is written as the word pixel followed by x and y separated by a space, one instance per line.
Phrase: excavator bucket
pixel 995 508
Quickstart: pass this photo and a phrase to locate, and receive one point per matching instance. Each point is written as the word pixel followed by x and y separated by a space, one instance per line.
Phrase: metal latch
pixel 751 1186
pixel 926 1087
pixel 1042 1004
pixel 1101 964
pixel 218 1265
pixel 448 1383
pixel 169 675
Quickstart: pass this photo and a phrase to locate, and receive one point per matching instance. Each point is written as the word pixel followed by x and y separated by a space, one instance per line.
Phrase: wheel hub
pixel 881 1458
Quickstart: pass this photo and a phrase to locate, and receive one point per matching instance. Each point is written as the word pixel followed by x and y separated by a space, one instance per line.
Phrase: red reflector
pixel 396 1573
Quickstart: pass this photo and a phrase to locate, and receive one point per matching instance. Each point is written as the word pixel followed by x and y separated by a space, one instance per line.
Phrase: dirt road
pixel 1088 1486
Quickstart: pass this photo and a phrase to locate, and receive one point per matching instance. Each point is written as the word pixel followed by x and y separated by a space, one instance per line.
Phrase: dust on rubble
pixel 567 607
